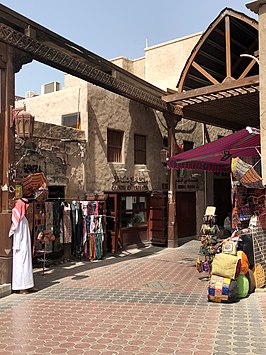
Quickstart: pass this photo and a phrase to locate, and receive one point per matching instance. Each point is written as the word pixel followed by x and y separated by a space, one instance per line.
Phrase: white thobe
pixel 22 277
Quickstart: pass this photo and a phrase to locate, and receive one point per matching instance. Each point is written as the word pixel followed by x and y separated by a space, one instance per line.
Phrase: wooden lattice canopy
pixel 219 84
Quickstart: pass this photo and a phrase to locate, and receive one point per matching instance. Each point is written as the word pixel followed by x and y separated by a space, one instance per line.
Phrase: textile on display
pixel 93 234
pixel 226 265
pixel 32 183
pixel 246 174
pixel 222 290
pixel 67 223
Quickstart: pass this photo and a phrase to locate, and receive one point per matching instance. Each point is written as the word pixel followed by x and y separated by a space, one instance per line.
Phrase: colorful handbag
pixel 222 290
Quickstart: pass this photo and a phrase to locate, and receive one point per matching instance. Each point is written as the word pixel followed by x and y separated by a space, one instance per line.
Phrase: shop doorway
pixel 222 198
pixel 186 214
pixel 112 223
pixel 157 225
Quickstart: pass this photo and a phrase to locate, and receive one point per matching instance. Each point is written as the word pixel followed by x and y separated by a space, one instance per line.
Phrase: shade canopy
pixel 216 156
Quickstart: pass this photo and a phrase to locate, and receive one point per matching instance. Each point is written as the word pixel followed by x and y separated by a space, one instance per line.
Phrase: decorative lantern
pixel 163 155
pixel 24 123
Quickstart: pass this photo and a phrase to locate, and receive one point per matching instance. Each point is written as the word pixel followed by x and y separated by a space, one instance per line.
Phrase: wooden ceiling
pixel 219 84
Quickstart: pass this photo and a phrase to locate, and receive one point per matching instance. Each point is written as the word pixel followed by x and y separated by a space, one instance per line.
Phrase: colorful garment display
pixel 93 234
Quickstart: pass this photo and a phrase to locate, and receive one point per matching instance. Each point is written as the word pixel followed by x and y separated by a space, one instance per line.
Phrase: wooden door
pixel 186 214
pixel 157 223
pixel 112 223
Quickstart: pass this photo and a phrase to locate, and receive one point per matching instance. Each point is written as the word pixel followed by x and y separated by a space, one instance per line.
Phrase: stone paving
pixel 147 301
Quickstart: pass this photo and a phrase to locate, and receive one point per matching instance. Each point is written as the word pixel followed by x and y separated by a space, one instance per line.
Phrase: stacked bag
pixel 231 279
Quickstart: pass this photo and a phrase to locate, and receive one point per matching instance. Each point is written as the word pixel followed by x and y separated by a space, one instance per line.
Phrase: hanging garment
pixel 49 215
pixel 67 224
pixel 77 229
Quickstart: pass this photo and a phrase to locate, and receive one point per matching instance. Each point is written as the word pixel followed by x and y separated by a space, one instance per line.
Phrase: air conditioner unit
pixel 50 87
pixel 29 94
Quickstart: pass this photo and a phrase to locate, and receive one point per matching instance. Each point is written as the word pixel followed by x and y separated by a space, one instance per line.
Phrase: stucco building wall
pixel 130 117
pixel 61 162
pixel 50 107
pixel 162 63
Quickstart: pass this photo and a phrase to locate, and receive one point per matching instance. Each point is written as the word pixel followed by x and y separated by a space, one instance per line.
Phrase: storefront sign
pixel 32 168
pixel 125 183
pixel 187 183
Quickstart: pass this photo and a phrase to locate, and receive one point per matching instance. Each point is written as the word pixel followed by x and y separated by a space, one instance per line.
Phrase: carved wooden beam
pixel 56 58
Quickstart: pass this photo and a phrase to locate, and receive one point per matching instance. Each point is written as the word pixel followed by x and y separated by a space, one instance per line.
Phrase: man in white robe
pixel 22 277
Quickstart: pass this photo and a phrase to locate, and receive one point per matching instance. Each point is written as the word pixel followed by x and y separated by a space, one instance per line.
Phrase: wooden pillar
pixel 262 76
pixel 6 160
pixel 172 121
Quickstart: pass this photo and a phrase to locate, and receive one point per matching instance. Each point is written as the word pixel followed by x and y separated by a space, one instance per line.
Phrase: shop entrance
pixel 111 223
pixel 222 199
pixel 186 214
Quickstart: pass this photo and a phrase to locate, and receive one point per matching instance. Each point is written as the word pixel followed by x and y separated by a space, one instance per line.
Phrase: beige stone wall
pixel 164 62
pixel 61 162
pixel 50 107
pixel 108 110
pixel 124 63
pixel 139 67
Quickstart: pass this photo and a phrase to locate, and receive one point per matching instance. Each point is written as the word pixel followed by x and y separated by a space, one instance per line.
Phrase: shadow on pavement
pixel 74 268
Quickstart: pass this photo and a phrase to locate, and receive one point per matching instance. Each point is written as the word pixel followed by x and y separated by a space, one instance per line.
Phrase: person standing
pixel 22 276
pixel 228 225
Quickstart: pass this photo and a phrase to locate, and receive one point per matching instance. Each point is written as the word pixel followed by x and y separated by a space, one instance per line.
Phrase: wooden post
pixel 6 161
pixel 228 47
pixel 172 121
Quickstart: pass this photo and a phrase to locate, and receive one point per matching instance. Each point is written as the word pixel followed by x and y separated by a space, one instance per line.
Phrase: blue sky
pixel 112 28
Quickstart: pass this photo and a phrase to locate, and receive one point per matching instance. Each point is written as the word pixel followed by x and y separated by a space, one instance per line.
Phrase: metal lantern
pixel 24 123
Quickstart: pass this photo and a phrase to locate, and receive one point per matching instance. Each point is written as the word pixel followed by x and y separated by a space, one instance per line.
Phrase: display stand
pixel 209 239
pixel 43 252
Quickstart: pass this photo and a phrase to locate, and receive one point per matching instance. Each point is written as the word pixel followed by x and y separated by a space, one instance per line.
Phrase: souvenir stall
pixel 60 227
pixel 209 240
pixel 88 228
pixel 238 262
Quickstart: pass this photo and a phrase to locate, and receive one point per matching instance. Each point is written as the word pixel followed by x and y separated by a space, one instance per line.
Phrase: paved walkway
pixel 150 301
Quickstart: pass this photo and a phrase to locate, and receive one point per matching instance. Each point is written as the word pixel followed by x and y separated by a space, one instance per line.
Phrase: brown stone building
pixel 121 161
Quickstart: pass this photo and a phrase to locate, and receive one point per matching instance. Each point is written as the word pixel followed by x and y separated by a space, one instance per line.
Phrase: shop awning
pixel 216 156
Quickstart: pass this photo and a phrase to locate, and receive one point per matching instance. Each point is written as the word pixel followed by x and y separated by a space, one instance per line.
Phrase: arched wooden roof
pixel 216 56
pixel 219 84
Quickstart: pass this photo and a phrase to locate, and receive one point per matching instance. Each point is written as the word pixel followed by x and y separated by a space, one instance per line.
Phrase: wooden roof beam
pixel 212 89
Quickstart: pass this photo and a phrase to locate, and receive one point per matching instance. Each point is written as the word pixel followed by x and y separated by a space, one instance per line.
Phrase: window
pixel 188 145
pixel 71 120
pixel 139 149
pixel 134 211
pixel 114 146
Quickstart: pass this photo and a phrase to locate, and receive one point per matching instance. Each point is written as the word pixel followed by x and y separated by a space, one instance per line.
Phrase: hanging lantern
pixel 24 123
pixel 163 155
